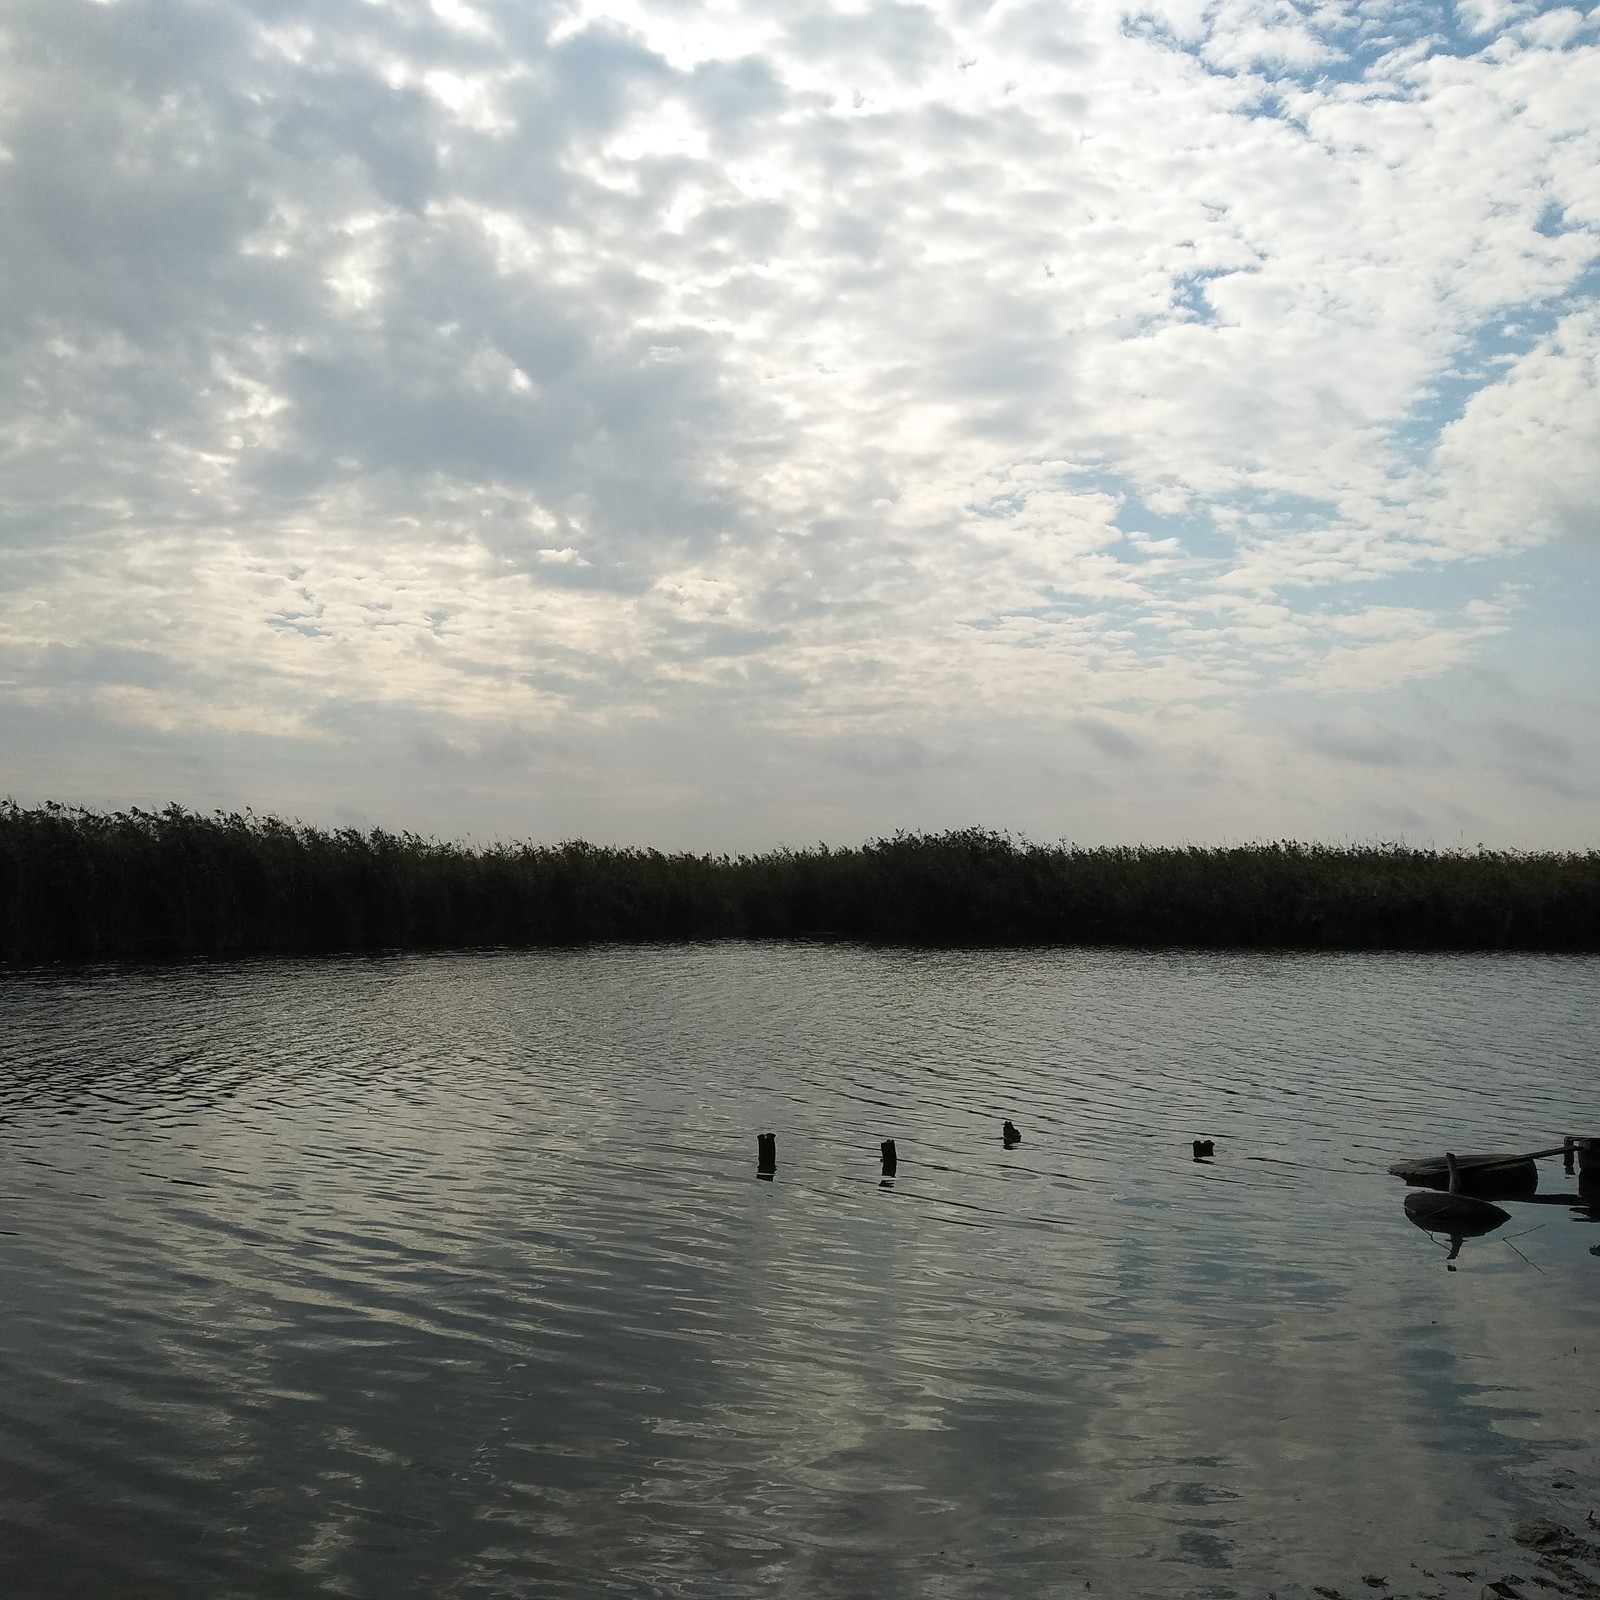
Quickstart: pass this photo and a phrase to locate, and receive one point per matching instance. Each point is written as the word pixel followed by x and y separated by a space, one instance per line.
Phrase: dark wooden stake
pixel 766 1154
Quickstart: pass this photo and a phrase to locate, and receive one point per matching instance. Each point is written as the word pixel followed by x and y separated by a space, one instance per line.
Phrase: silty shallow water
pixel 453 1275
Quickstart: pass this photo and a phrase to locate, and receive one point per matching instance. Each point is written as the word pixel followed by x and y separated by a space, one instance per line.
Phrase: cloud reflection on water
pixel 452 1272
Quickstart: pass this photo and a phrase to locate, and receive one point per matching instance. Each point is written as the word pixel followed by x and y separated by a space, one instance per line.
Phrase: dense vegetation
pixel 78 885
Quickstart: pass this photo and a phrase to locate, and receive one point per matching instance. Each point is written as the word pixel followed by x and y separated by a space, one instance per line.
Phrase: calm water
pixel 452 1276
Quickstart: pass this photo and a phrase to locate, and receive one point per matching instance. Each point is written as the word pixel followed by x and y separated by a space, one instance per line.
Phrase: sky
pixel 723 425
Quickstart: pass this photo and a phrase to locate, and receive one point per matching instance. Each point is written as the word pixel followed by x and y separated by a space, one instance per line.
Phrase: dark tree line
pixel 80 885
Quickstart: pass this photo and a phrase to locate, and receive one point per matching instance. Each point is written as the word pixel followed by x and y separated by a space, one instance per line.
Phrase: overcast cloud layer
pixel 718 424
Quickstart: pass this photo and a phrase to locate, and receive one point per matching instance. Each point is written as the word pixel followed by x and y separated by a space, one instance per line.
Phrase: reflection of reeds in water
pixel 80 885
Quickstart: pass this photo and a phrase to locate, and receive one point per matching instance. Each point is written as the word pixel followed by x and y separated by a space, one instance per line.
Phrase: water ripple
pixel 453 1275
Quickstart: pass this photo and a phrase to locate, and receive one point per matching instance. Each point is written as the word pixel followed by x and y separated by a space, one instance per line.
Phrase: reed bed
pixel 78 885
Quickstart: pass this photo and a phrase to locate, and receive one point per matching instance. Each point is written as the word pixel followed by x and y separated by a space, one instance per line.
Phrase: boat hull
pixel 1460 1214
pixel 1489 1177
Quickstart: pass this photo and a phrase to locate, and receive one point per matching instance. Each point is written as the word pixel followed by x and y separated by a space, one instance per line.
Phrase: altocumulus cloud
pixel 716 423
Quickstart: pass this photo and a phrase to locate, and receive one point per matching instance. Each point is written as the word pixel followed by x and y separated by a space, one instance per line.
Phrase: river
pixel 454 1275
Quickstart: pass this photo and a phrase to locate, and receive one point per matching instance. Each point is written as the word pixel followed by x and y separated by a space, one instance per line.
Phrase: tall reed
pixel 81 885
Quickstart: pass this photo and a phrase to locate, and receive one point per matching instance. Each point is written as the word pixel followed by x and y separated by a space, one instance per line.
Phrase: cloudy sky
pixel 715 423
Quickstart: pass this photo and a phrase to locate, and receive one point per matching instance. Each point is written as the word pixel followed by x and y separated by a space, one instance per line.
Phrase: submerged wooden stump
pixel 1587 1150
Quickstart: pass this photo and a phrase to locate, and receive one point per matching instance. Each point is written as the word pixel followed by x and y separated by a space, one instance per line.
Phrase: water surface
pixel 453 1275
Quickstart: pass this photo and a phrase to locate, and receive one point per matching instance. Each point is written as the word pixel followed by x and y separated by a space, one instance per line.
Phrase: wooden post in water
pixel 766 1155
pixel 890 1161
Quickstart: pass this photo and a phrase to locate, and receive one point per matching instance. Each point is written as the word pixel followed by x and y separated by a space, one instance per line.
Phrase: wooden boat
pixel 1479 1173
pixel 1462 1216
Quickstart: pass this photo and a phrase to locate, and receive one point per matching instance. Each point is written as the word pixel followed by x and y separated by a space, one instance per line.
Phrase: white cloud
pixel 828 373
